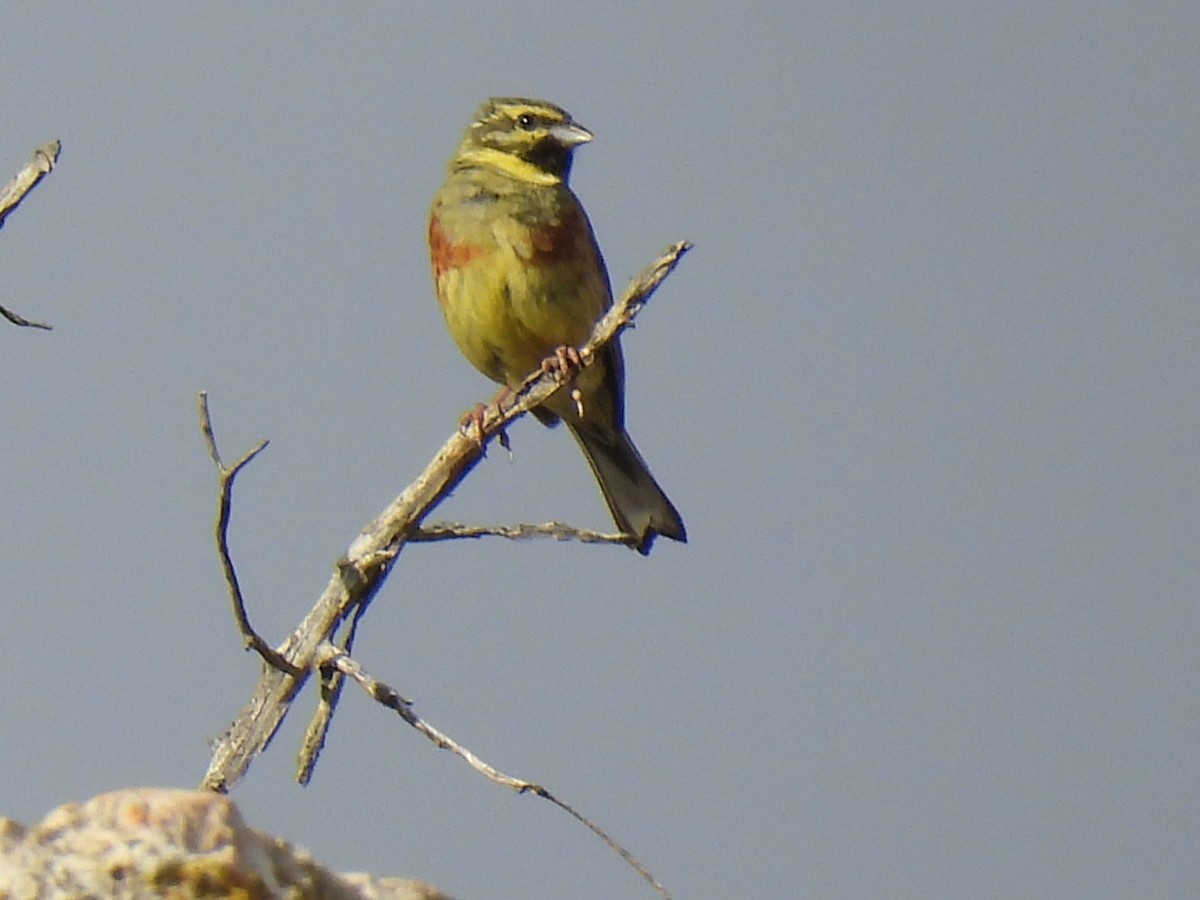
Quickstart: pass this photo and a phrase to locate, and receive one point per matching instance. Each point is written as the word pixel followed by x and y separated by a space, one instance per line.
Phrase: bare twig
pixel 448 531
pixel 226 475
pixel 360 574
pixel 332 682
pixel 329 656
pixel 11 195
pixel 22 321
pixel 44 159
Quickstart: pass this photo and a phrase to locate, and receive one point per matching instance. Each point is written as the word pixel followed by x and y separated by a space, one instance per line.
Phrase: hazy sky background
pixel 927 393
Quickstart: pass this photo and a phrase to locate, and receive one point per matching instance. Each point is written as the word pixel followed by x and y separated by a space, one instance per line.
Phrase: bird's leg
pixel 500 399
pixel 565 360
pixel 471 424
pixel 566 363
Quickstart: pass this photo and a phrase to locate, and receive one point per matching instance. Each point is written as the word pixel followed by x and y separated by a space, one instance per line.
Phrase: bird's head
pixel 532 140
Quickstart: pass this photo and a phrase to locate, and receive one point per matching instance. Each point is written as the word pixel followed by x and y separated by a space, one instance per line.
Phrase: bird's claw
pixel 566 362
pixel 471 424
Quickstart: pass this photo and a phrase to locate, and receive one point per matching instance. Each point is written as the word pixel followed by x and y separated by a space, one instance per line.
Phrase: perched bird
pixel 521 284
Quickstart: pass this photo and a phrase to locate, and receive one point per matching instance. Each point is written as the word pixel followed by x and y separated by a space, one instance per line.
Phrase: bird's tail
pixel 637 503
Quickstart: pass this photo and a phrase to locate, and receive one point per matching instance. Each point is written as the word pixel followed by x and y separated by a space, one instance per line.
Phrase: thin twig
pixel 11 194
pixel 332 682
pixel 22 321
pixel 329 656
pixel 226 476
pixel 560 531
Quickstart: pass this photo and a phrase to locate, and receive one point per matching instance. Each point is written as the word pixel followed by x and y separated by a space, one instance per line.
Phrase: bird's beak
pixel 570 134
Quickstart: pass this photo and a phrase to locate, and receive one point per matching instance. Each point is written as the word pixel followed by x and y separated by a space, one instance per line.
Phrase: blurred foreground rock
pixel 150 843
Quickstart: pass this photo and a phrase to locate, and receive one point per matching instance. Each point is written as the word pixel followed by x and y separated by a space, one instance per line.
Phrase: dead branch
pixel 358 576
pixel 44 159
pixel 361 572
pixel 560 531
pixel 226 475
pixel 329 656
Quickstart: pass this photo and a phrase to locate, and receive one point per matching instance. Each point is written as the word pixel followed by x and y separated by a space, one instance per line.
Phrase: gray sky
pixel 925 392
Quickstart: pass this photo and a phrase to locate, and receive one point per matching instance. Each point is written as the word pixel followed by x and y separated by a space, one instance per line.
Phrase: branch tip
pixel 11 195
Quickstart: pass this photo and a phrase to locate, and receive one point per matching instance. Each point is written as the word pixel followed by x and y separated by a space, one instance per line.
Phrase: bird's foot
pixel 471 424
pixel 566 362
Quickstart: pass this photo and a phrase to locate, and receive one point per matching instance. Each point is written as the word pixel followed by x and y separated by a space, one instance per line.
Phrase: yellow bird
pixel 521 284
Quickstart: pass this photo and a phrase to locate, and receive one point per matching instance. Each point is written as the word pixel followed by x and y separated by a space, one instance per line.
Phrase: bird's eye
pixel 525 121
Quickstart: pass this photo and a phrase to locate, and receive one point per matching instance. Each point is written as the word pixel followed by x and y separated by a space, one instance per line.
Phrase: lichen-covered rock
pixel 152 842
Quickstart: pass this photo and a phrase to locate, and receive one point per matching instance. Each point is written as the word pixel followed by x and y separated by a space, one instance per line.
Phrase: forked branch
pixel 360 573
pixel 313 647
